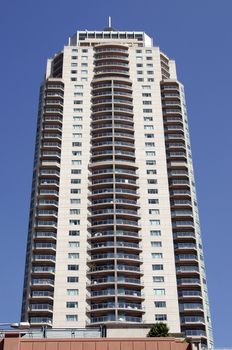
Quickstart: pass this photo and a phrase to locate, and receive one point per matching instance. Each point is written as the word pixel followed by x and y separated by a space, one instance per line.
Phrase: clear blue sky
pixel 198 35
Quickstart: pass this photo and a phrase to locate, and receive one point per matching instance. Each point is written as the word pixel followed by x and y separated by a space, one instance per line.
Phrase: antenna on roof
pixel 109 21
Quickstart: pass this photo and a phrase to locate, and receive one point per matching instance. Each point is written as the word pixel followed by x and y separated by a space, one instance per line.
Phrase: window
pixel 160 303
pixel 160 291
pixel 151 172
pixel 73 267
pixel 84 50
pixel 149 58
pixel 84 71
pixel 73 244
pixel 74 57
pixel 148 51
pixel 157 267
pixel 72 291
pixel 152 181
pixel 149 144
pixel 78 93
pixel 148 119
pixel 74 222
pixel 147 110
pixel 84 58
pixel 77 126
pixel 156 244
pixel 139 65
pixel 146 87
pixel 84 64
pixel 149 64
pixel 75 201
pixel 76 153
pixel 78 110
pixel 157 255
pixel 161 317
pixel 155 233
pixel 138 51
pixel 153 201
pixel 154 211
pixel 75 171
pixel 140 79
pixel 71 304
pixel 146 94
pixel 150 153
pixel 73 71
pixel 73 64
pixel 75 181
pixel 148 127
pixel 155 222
pixel 77 118
pixel 150 79
pixel 158 279
pixel 74 233
pixel 139 58
pixel 78 102
pixel 76 144
pixel 78 87
pixel 147 102
pixel 152 190
pixel 73 255
pixel 75 190
pixel 150 162
pixel 73 79
pixel 71 318
pixel 74 211
pixel 76 162
pixel 77 135
pixel 72 279
pixel 139 72
pixel 84 79
pixel 150 72
pixel 149 136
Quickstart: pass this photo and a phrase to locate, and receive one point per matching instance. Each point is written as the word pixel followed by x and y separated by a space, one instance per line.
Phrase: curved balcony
pixel 41 295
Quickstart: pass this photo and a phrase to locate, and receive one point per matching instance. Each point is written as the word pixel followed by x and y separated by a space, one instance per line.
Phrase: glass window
pixel 157 267
pixel 72 267
pixel 153 201
pixel 154 211
pixel 74 211
pixel 147 110
pixel 158 279
pixel 75 171
pixel 150 153
pixel 76 144
pixel 146 94
pixel 152 190
pixel 71 318
pixel 146 87
pixel 149 144
pixel 75 181
pixel 72 291
pixel 157 255
pixel 147 102
pixel 152 181
pixel 75 201
pixel 73 244
pixel 75 190
pixel 155 222
pixel 74 222
pixel 71 304
pixel 77 135
pixel 150 162
pixel 148 127
pixel 151 172
pixel 79 87
pixel 160 303
pixel 73 255
pixel 72 279
pixel 156 244
pixel 149 136
pixel 74 233
pixel 159 291
pixel 161 317
pixel 155 233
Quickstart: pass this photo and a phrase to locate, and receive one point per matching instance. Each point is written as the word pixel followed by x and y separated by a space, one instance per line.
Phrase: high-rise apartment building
pixel 114 235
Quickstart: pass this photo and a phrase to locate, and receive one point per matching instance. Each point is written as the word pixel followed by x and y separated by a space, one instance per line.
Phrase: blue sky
pixel 197 34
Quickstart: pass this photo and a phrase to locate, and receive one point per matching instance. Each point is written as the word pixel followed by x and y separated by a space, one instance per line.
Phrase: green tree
pixel 159 329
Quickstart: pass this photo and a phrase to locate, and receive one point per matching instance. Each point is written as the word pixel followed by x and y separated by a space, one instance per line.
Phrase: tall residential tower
pixel 114 235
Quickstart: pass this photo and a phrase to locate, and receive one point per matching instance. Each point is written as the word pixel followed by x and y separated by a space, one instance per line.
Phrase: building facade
pixel 114 235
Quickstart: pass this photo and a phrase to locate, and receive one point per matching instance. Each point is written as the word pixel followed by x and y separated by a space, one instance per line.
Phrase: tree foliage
pixel 159 329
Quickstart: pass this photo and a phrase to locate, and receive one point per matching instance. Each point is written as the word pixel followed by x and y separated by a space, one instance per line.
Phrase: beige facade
pixel 114 230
